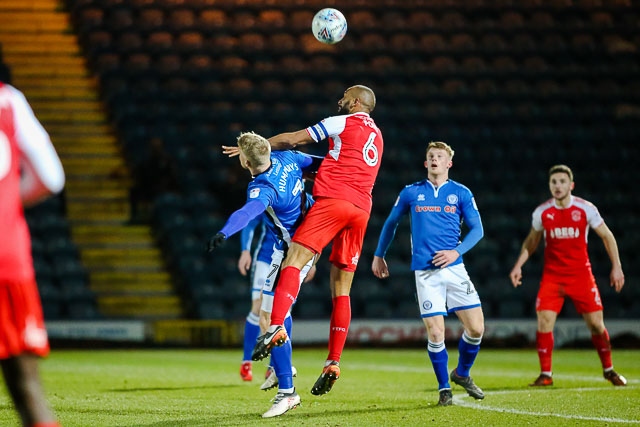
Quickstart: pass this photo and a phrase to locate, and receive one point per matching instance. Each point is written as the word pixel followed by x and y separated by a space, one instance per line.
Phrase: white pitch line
pixel 460 400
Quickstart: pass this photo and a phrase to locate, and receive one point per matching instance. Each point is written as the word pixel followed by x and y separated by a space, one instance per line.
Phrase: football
pixel 329 26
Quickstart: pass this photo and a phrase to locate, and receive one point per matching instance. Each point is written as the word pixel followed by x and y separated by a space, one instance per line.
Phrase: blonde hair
pixel 441 146
pixel 255 148
pixel 561 169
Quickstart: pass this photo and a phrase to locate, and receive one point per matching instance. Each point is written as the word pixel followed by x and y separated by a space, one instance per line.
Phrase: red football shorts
pixel 337 221
pixel 582 290
pixel 21 320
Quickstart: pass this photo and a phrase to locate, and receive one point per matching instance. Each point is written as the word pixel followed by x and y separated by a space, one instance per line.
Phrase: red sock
pixel 544 343
pixel 339 327
pixel 286 293
pixel 51 424
pixel 603 347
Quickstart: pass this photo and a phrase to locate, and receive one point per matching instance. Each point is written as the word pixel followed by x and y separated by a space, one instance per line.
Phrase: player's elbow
pixel 56 183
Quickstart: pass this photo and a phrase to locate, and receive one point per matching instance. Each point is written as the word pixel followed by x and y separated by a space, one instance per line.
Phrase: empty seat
pixel 189 42
pixel 271 20
pixel 129 42
pixel 119 19
pixel 179 20
pixel 159 42
pixel 462 42
pixel 210 20
pixel 252 42
pixel 150 19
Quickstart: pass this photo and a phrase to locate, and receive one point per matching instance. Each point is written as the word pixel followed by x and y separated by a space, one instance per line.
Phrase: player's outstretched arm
pixel 290 140
pixel 236 222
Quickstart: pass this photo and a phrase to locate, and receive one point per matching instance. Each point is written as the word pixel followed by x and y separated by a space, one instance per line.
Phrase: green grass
pixel 378 387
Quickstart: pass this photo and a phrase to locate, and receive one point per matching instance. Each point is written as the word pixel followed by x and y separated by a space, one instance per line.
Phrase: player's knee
pixel 475 331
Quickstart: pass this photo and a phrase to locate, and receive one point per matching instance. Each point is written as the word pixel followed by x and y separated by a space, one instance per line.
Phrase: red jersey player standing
pixel 30 170
pixel 342 190
pixel 564 222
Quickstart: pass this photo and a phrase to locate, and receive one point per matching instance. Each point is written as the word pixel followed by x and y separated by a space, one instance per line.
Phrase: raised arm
pixel 236 222
pixel 290 140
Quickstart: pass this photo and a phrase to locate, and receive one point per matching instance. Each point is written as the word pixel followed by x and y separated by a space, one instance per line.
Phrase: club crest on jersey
pixel 427 305
pixel 421 197
pixel 255 192
pixel 452 199
pixel 576 216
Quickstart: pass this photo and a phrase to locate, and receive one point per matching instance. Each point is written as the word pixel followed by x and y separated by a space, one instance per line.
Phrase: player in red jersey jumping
pixel 30 171
pixel 564 222
pixel 342 191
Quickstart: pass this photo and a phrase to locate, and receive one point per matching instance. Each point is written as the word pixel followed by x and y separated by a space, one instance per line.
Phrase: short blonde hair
pixel 255 148
pixel 441 146
pixel 561 169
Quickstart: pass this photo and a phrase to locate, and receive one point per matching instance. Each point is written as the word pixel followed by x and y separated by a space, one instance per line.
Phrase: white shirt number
pixel 370 151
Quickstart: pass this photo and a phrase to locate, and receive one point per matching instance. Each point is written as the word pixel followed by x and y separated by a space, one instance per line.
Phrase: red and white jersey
pixel 351 166
pixel 27 161
pixel 565 235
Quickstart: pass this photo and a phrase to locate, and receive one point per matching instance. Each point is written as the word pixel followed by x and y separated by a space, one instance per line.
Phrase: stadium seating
pixel 515 87
pixel 61 277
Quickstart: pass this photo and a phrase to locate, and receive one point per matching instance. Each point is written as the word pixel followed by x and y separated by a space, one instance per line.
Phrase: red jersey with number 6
pixel 351 166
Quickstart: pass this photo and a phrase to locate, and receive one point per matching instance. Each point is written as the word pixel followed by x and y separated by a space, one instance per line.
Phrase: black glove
pixel 216 241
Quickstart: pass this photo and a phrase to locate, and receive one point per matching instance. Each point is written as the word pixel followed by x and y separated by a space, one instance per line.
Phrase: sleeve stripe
pixel 315 135
pixel 324 130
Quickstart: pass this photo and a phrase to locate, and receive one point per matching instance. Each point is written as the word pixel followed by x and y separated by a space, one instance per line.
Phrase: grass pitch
pixel 378 387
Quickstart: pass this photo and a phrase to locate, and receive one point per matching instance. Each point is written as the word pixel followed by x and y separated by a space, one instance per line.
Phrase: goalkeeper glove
pixel 216 241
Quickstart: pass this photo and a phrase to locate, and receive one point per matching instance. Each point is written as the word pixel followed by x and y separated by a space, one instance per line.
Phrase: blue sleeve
pixel 240 218
pixel 472 218
pixel 246 236
pixel 390 225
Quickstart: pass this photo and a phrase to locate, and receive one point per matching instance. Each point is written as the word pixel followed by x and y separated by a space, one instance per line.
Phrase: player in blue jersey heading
pixel 438 206
pixel 277 189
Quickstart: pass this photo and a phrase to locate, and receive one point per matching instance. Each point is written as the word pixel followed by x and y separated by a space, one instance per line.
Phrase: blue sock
pixel 281 361
pixel 468 349
pixel 288 325
pixel 251 332
pixel 439 359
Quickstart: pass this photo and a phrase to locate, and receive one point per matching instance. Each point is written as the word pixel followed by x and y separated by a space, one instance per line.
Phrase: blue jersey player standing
pixel 438 206
pixel 277 189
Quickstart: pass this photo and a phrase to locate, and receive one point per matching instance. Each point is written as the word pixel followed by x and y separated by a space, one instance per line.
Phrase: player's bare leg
pixel 23 382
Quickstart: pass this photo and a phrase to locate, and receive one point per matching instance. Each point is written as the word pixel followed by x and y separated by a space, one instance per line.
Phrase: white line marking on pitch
pixel 460 400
